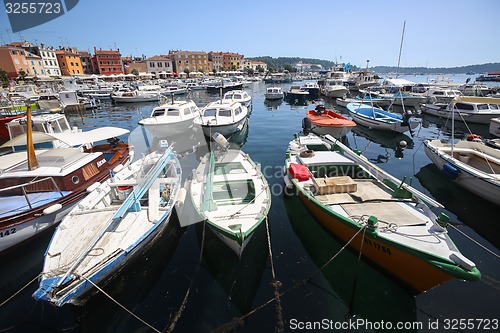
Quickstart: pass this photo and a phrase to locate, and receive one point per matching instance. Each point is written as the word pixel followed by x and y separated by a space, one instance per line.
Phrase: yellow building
pixel 69 62
pixel 194 61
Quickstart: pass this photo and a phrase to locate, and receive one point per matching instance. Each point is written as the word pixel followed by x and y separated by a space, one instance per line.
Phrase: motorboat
pixel 171 118
pixel 313 88
pixel 274 93
pixel 296 95
pixel 495 126
pixel 335 88
pixel 133 96
pixel 468 109
pixel 222 117
pixel 240 96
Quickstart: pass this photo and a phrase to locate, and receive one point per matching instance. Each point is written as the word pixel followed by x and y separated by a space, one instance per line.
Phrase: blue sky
pixel 439 33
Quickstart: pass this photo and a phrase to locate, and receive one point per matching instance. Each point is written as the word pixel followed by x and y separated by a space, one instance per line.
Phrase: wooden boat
pixel 329 122
pixel 232 195
pixel 377 118
pixel 171 118
pixel 274 93
pixel 375 213
pixel 38 187
pixel 471 164
pixel 222 117
pixel 469 109
pixel 118 220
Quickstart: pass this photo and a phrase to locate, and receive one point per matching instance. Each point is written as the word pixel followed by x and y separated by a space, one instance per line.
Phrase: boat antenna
pixel 32 161
pixel 401 48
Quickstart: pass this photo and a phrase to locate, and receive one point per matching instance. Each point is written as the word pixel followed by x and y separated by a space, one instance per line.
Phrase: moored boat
pixel 375 213
pixel 117 221
pixel 329 122
pixel 232 195
pixel 222 117
pixel 377 118
pixel 274 93
pixel 239 96
pixel 468 109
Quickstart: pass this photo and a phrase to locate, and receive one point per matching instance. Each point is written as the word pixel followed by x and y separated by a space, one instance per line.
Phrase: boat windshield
pixel 210 112
pixel 173 112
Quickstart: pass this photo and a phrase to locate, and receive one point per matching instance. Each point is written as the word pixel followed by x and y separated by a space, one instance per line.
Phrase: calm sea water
pixel 222 287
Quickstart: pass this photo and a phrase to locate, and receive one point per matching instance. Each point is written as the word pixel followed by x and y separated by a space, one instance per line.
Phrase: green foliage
pixel 4 78
pixel 135 72
pixel 22 74
pixel 187 71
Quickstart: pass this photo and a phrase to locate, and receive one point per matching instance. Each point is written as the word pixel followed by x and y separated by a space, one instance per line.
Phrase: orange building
pixel 13 60
pixel 192 60
pixel 69 62
pixel 107 62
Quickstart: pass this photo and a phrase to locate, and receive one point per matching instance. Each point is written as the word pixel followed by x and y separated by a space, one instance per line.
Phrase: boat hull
pixel 162 130
pixel 225 130
pixel 416 273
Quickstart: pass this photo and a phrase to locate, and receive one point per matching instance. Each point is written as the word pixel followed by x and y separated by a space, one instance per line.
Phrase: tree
pixel 214 71
pixel 250 71
pixel 4 78
pixel 201 70
pixel 22 74
pixel 260 69
pixel 187 71
pixel 135 72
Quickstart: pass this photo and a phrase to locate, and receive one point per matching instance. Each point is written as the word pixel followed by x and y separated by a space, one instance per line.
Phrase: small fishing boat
pixel 471 164
pixel 118 220
pixel 222 117
pixel 389 222
pixel 38 187
pixel 377 118
pixel 240 96
pixel 134 96
pixel 329 122
pixel 231 194
pixel 274 93
pixel 171 118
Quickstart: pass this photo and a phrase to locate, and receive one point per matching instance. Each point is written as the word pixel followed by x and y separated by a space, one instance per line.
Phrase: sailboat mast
pixel 401 47
pixel 32 161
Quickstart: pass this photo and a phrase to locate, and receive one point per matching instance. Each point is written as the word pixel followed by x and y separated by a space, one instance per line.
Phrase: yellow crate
pixel 330 185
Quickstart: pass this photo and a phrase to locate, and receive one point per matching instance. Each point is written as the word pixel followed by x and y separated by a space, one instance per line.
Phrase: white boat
pixel 221 117
pixel 133 96
pixel 232 195
pixel 468 109
pixel 114 223
pixel 471 164
pixel 49 102
pixel 376 118
pixel 441 95
pixel 335 88
pixel 171 118
pixel 173 90
pixel 240 96
pixel 495 126
pixel 274 93
pixel 38 187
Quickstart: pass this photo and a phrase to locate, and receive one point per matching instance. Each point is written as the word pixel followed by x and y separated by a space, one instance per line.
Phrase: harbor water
pixel 189 281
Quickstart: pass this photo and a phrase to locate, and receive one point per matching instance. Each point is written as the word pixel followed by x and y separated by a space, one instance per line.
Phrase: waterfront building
pixel 86 60
pixel 13 60
pixel 49 59
pixel 138 63
pixel 194 61
pixel 107 62
pixel 36 64
pixel 255 65
pixel 160 66
pixel 69 61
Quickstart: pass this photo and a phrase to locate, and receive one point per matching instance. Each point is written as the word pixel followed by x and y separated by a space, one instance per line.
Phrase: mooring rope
pixel 17 292
pixel 236 322
pixel 280 326
pixel 178 314
pixel 120 305
pixel 476 242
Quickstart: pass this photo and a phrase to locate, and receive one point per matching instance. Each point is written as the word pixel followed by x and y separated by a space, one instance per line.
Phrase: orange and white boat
pixel 329 122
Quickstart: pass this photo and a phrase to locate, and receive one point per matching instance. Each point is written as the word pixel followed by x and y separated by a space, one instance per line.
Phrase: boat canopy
pixel 474 99
pixel 398 82
pixel 71 139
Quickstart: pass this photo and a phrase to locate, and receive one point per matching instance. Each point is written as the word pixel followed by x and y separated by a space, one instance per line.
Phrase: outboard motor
pixel 406 118
pixel 306 126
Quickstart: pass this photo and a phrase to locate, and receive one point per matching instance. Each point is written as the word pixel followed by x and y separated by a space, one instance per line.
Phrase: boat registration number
pixel 7 232
pixel 378 246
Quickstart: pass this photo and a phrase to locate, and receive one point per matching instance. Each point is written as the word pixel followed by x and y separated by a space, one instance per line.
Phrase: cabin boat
pixel 373 212
pixel 274 93
pixel 38 187
pixel 313 88
pixel 117 221
pixel 222 117
pixel 468 109
pixel 441 95
pixel 240 96
pixel 296 95
pixel 335 88
pixel 495 126
pixel 134 96
pixel 171 118
pixel 232 195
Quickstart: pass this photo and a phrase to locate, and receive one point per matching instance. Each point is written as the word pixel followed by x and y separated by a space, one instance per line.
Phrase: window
pixel 210 112
pixel 173 112
pixel 187 111
pixel 224 113
pixel 462 106
pixel 158 113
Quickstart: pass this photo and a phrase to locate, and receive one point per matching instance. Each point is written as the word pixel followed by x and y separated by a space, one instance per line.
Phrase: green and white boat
pixel 230 193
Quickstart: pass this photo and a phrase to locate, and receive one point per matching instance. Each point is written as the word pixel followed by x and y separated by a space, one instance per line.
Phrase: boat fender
pixel 181 197
pixel 307 153
pixel 288 182
pixel 450 171
pixel 93 187
pixel 52 209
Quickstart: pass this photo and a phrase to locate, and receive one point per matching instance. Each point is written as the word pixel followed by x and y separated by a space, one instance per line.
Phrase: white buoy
pixel 403 144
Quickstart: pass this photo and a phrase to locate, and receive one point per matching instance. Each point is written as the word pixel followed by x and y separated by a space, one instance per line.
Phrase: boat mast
pixel 30 148
pixel 401 48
